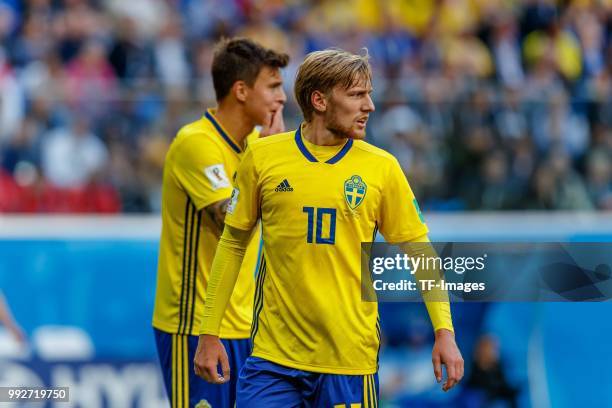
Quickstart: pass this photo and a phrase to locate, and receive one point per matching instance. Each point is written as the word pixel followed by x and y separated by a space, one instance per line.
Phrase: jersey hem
pixel 237 225
pixel 316 368
pixel 230 335
pixel 407 238
pixel 212 200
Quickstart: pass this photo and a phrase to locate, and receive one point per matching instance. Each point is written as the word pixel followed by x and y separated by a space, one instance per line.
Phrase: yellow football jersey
pixel 316 205
pixel 198 170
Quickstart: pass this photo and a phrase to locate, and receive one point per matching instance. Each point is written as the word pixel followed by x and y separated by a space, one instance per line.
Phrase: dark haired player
pixel 196 188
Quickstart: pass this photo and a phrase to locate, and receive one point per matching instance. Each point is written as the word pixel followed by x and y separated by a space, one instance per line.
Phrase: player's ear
pixel 240 90
pixel 318 101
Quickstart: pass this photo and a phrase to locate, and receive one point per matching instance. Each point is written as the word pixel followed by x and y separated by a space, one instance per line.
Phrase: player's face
pixel 349 109
pixel 266 96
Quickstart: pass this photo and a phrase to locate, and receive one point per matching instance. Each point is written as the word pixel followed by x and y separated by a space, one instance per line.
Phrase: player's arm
pixel 400 220
pixel 242 216
pixel 200 170
pixel 217 212
pixel 445 350
pixel 225 269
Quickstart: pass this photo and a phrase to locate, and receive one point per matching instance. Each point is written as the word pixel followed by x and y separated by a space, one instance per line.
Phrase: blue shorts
pixel 184 387
pixel 266 384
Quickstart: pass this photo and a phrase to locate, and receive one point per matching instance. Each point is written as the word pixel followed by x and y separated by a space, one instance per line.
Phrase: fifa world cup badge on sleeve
pixel 233 200
pixel 217 177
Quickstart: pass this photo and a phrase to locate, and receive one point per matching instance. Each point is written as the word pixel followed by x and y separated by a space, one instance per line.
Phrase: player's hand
pixel 209 355
pixel 445 352
pixel 274 123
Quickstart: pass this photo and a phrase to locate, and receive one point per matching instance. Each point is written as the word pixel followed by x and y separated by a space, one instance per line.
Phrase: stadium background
pixel 499 111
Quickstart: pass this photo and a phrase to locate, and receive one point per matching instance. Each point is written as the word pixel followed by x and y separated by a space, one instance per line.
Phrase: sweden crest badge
pixel 354 191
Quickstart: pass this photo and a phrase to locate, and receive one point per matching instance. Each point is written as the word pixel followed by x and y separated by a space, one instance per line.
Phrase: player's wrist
pixel 209 336
pixel 444 333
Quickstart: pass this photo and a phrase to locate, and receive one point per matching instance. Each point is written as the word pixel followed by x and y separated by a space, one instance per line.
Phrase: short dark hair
pixel 241 59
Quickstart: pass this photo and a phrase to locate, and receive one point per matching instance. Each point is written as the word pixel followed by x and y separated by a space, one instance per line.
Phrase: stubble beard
pixel 337 129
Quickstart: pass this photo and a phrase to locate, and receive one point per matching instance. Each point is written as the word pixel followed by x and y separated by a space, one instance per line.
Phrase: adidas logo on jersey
pixel 284 186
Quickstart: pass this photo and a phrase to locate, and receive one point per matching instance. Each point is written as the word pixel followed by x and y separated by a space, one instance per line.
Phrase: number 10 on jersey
pixel 317 216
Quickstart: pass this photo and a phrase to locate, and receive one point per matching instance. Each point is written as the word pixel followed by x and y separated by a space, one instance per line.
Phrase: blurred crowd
pixel 488 104
pixel 491 378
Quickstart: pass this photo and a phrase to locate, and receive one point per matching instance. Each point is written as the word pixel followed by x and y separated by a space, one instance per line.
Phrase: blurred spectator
pixel 468 55
pixel 495 190
pixel 171 57
pixel 23 148
pixel 202 63
pixel 207 19
pixel 555 44
pixel 73 156
pixel 536 15
pixel 148 15
pixel 9 17
pixel 557 186
pixel 457 16
pixel 510 118
pixel 558 126
pixel 599 178
pixel 130 57
pixel 591 35
pixel 523 161
pixel 12 104
pixel 487 375
pixel 507 52
pixel 435 109
pixel 91 81
pixel 260 27
pixel 35 40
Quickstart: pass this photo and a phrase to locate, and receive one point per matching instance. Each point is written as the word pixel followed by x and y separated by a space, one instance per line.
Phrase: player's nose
pixel 282 96
pixel 369 105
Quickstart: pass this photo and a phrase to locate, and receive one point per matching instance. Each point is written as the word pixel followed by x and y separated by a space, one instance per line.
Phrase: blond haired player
pixel 319 191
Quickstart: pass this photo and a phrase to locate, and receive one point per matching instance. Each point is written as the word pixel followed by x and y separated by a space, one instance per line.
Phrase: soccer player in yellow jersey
pixel 196 188
pixel 319 191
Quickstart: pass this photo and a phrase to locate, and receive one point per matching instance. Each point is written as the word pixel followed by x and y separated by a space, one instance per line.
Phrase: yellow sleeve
pixel 243 209
pixel 223 276
pixel 200 169
pixel 436 300
pixel 400 219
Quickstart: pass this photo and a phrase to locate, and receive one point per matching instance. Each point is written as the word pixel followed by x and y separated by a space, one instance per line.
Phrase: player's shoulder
pixel 277 141
pixel 194 136
pixel 198 131
pixel 375 153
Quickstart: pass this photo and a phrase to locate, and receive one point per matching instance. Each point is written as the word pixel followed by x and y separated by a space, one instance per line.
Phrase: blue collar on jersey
pixel 311 158
pixel 224 135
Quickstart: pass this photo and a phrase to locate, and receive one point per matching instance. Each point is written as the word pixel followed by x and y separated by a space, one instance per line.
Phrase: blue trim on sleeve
pixel 224 135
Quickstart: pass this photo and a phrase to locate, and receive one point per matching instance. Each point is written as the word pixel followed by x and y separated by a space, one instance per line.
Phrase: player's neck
pixel 235 122
pixel 316 133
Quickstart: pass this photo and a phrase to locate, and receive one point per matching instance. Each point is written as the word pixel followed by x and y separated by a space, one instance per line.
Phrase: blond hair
pixel 323 70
